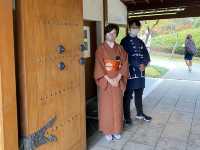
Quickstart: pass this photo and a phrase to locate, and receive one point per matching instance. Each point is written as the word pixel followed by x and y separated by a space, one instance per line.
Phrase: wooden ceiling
pixel 162 9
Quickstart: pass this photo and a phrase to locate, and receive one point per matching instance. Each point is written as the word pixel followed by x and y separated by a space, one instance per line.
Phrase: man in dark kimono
pixel 138 58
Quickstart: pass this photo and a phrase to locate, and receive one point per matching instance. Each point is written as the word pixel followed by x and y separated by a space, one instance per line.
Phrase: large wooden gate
pixel 50 76
pixel 8 108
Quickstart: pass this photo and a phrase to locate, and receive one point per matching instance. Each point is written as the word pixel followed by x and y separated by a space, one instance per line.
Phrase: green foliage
pixel 155 71
pixel 121 35
pixel 196 23
pixel 167 41
pixel 166 26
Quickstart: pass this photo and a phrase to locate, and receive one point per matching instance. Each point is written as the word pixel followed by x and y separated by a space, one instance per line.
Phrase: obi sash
pixel 112 65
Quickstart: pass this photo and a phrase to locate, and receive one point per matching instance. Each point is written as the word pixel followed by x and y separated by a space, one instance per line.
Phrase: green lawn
pixel 155 71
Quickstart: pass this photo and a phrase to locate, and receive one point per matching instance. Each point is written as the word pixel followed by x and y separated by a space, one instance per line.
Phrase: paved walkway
pixel 179 70
pixel 175 108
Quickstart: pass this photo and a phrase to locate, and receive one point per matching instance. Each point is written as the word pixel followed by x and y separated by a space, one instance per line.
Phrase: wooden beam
pixel 129 2
pixel 159 4
pixel 8 107
pixel 162 1
pixel 164 4
pixel 147 1
pixel 190 12
pixel 105 12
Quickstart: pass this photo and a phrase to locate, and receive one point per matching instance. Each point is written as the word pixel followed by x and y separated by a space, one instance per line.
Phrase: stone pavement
pixel 178 70
pixel 175 108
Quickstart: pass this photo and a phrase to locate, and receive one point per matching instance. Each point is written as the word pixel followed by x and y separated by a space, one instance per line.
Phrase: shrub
pixel 166 42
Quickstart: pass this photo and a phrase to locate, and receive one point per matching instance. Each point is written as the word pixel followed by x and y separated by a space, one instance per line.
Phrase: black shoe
pixel 144 117
pixel 128 122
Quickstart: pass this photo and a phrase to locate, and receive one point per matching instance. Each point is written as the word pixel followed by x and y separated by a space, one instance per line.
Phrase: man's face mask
pixel 134 32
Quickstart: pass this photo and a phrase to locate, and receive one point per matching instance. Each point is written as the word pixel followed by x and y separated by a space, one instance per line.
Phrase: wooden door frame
pixel 8 107
pixel 89 60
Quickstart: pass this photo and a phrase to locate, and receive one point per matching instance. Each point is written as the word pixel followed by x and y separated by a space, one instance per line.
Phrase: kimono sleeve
pixel 124 63
pixel 124 70
pixel 99 70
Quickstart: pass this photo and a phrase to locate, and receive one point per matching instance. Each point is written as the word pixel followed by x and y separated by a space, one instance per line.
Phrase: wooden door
pixel 50 77
pixel 8 107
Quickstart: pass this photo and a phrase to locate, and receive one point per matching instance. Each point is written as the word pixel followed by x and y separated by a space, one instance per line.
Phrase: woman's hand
pixel 118 78
pixel 115 81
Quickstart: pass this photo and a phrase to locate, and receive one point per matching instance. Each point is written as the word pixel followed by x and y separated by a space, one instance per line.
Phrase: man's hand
pixel 142 67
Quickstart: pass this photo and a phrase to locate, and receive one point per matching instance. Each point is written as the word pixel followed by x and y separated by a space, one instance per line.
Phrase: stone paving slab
pixel 147 135
pixel 193 147
pixel 136 146
pixel 170 144
pixel 176 131
pixel 175 125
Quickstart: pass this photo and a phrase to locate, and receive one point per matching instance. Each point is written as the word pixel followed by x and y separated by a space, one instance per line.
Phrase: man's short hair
pixel 134 22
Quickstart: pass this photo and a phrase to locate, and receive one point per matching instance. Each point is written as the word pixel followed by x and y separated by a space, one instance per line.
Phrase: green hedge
pixel 167 41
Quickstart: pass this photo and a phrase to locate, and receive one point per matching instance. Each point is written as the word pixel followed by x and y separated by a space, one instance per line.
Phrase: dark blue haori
pixel 137 54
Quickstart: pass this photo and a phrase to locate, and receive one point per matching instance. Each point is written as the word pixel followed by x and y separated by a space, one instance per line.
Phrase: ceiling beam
pixel 165 17
pixel 158 4
pixel 191 12
pixel 128 2
pixel 155 9
pixel 134 2
pixel 162 1
pixel 147 1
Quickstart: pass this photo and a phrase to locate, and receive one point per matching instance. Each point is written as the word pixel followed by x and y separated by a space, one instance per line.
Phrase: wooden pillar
pixel 8 108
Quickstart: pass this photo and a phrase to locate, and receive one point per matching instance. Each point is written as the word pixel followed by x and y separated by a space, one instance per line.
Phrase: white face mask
pixel 134 32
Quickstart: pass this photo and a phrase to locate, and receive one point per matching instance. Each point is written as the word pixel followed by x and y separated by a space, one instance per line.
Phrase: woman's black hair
pixel 110 27
pixel 135 22
pixel 188 36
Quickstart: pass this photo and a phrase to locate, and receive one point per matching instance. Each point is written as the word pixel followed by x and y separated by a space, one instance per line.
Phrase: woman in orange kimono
pixel 111 73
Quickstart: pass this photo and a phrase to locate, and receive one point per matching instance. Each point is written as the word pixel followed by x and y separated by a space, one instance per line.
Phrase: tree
pixel 174 32
pixel 150 25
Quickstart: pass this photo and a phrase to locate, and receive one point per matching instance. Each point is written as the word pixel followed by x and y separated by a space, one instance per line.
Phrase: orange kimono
pixel 110 62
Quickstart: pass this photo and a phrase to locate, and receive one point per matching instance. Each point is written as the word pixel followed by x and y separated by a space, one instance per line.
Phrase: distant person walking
pixel 190 51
